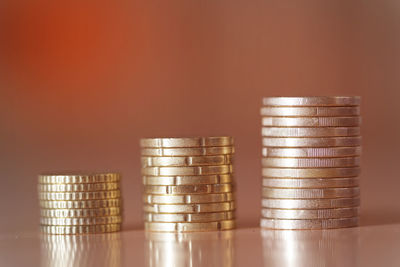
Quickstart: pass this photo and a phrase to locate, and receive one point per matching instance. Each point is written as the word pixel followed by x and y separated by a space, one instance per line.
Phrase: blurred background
pixel 82 81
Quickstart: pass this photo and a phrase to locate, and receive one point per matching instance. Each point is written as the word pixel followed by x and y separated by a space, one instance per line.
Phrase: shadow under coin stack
pixel 311 158
pixel 188 184
pixel 80 204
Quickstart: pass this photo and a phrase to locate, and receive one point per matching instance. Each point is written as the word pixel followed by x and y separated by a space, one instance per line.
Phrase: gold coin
pixel 74 230
pixel 77 213
pixel 310 132
pixel 170 171
pixel 310 183
pixel 310 203
pixel 188 199
pixel 311 152
pixel 310 173
pixel 187 142
pixel 78 187
pixel 311 121
pixel 309 224
pixel 189 208
pixel 188 189
pixel 80 221
pixel 175 152
pixel 310 214
pixel 186 161
pixel 80 204
pixel 311 142
pixel 78 178
pixel 314 101
pixel 79 195
pixel 188 180
pixel 310 162
pixel 310 111
pixel 189 227
pixel 189 217
pixel 310 192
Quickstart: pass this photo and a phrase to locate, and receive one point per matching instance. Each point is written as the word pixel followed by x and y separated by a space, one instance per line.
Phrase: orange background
pixel 82 81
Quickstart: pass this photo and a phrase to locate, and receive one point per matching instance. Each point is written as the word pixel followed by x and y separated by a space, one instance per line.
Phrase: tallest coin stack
pixel 311 158
pixel 188 184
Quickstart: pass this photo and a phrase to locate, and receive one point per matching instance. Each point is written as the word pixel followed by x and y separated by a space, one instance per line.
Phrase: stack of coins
pixel 188 184
pixel 311 158
pixel 80 204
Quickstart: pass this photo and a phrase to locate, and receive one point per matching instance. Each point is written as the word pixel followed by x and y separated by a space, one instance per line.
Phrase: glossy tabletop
pixel 363 246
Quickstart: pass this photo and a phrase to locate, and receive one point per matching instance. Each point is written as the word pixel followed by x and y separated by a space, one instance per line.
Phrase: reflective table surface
pixel 363 246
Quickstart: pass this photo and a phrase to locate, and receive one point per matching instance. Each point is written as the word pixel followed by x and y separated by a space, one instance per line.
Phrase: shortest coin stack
pixel 80 203
pixel 188 184
pixel 311 162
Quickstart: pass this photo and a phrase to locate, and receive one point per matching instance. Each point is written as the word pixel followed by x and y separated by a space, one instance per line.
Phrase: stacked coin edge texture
pixel 188 184
pixel 310 162
pixel 80 203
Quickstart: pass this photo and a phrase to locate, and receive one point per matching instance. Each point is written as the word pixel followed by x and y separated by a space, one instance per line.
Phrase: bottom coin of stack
pixel 188 184
pixel 80 204
pixel 311 158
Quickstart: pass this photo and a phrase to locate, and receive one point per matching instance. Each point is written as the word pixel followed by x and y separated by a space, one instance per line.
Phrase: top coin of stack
pixel 80 203
pixel 311 158
pixel 188 184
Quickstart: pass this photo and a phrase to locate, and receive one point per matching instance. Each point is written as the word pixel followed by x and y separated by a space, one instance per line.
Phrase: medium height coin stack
pixel 311 158
pixel 80 204
pixel 188 184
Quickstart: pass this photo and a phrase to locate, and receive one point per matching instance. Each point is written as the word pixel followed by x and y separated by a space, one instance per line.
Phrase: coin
pixel 79 195
pixel 313 101
pixel 187 180
pixel 310 214
pixel 310 173
pixel 309 224
pixel 78 179
pixel 310 193
pixel 312 152
pixel 189 217
pixel 187 199
pixel 64 213
pixel 311 162
pixel 188 189
pixel 189 208
pixel 311 121
pixel 78 187
pixel 310 183
pixel 310 111
pixel 310 132
pixel 80 204
pixel 189 227
pixel 72 230
pixel 310 203
pixel 187 142
pixel 186 161
pixel 311 142
pixel 80 221
pixel 203 170
pixel 202 151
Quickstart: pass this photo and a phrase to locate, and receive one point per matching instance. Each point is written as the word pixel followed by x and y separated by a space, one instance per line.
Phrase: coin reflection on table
pixel 309 248
pixel 190 249
pixel 81 251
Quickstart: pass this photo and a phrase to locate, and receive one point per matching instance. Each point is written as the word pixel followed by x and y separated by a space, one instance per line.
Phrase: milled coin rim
pixel 300 214
pixel 175 142
pixel 189 227
pixel 310 182
pixel 310 203
pixel 311 152
pixel 309 224
pixel 313 101
pixel 299 111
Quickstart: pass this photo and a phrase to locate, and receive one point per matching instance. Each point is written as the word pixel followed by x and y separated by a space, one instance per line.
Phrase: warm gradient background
pixel 82 81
